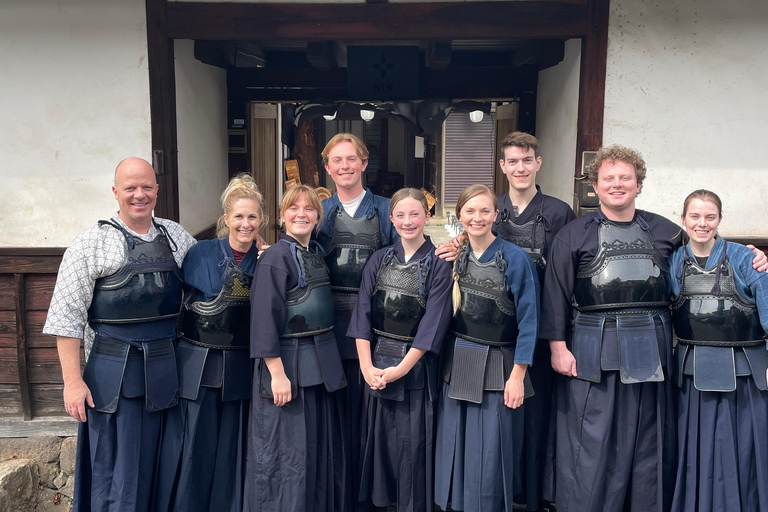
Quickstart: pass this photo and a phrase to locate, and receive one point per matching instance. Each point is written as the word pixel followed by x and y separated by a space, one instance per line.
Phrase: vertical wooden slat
pixel 594 55
pixel 162 106
pixel 21 343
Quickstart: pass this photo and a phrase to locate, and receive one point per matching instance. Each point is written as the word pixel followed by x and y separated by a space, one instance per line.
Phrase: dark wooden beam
pixel 21 344
pixel 224 54
pixel 391 21
pixel 322 55
pixel 438 55
pixel 302 84
pixel 543 53
pixel 594 53
pixel 162 106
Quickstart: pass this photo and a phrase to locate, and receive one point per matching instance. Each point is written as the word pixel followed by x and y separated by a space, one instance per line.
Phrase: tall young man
pixel 530 219
pixel 355 225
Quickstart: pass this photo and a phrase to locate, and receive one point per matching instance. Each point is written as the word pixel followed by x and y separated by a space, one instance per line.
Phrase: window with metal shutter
pixel 469 157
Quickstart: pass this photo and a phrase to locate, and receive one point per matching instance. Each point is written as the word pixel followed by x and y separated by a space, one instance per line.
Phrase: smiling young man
pixel 615 345
pixel 355 225
pixel 119 292
pixel 605 310
pixel 530 220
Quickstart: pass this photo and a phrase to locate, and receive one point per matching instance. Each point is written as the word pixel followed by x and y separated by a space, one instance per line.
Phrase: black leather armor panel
pixel 487 313
pixel 350 248
pixel 225 322
pixel 529 236
pixel 627 271
pixel 701 318
pixel 310 307
pixel 398 302
pixel 147 288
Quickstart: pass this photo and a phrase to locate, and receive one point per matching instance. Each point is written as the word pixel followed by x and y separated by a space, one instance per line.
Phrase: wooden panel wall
pixel 30 375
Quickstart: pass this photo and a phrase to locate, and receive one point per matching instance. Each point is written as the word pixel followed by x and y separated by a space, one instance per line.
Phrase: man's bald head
pixel 133 163
pixel 135 190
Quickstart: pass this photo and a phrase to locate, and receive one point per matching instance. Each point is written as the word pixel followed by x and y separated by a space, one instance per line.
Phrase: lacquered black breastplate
pixel 147 288
pixel 529 236
pixel 627 271
pixel 399 299
pixel 310 307
pixel 721 320
pixel 350 248
pixel 487 313
pixel 224 322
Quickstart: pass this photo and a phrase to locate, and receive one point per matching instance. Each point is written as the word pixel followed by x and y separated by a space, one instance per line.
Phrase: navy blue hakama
pixel 478 449
pixel 615 445
pixel 202 455
pixel 398 451
pixel 115 458
pixel 295 453
pixel 722 449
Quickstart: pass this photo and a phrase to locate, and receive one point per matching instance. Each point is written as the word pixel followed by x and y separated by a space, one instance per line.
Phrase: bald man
pixel 119 292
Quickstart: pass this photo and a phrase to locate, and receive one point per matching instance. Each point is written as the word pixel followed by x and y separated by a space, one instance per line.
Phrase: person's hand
pixel 760 263
pixel 281 390
pixel 448 250
pixel 392 373
pixel 562 359
pixel 260 243
pixel 514 389
pixel 372 376
pixel 76 395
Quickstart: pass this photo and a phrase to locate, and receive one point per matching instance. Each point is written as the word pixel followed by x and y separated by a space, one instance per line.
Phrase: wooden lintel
pixel 365 21
pixel 297 84
pixel 19 281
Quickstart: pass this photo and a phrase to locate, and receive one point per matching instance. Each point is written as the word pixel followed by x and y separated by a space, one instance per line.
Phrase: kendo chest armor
pixel 702 318
pixel 529 236
pixel 627 271
pixel 399 301
pixel 350 248
pixel 223 323
pixel 487 313
pixel 147 288
pixel 309 308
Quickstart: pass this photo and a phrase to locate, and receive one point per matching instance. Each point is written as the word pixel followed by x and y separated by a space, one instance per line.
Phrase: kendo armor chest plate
pixel 487 313
pixel 529 236
pixel 225 322
pixel 147 288
pixel 350 248
pixel 627 271
pixel 309 308
pixel 701 318
pixel 397 303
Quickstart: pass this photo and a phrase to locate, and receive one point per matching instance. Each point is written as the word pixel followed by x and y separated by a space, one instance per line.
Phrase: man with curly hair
pixel 605 310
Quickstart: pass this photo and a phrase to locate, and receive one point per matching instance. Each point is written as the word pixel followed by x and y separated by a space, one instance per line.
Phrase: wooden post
pixel 21 344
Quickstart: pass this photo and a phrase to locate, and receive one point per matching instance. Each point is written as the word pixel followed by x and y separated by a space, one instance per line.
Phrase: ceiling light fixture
pixel 476 116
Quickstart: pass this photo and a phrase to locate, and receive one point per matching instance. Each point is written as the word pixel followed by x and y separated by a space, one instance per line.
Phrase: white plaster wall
pixel 557 105
pixel 201 119
pixel 687 85
pixel 74 101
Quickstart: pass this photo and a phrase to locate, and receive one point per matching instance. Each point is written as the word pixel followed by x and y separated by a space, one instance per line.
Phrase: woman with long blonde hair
pixel 494 327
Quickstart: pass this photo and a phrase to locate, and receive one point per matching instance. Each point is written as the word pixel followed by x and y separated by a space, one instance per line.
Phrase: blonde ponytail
pixel 456 293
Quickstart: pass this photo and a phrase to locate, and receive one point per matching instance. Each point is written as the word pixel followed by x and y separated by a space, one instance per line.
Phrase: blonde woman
pixel 295 458
pixel 202 452
pixel 480 414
